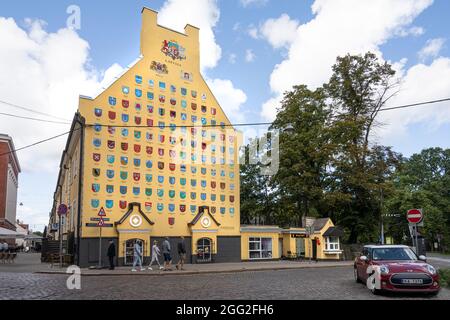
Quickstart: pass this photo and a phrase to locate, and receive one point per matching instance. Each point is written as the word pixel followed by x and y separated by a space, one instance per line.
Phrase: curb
pixel 185 273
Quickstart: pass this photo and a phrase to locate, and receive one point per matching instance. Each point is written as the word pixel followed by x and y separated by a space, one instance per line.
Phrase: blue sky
pixel 111 30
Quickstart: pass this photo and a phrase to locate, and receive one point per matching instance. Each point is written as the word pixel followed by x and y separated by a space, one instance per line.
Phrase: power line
pixel 31 110
pixel 187 126
pixel 39 142
pixel 31 118
pixel 415 104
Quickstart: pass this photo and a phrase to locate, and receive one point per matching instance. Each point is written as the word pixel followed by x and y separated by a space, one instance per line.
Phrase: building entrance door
pixel 204 246
pixel 300 244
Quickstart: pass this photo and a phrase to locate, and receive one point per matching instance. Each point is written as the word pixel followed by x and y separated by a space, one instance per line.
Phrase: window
pixel 332 244
pixel 260 248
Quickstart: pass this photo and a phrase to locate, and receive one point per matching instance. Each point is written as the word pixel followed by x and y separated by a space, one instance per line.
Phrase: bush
pixel 445 277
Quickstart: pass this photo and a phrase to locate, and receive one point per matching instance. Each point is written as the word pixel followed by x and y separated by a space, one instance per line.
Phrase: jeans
pixel 137 261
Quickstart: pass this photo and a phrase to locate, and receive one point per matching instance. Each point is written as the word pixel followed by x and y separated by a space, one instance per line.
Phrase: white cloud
pixel 203 14
pixel 432 49
pixel 246 3
pixel 230 98
pixel 340 27
pixel 253 32
pixel 416 88
pixel 45 72
pixel 280 32
pixel 249 55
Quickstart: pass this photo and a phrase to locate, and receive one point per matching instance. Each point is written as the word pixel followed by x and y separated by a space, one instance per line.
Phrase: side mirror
pixel 363 258
pixel 423 258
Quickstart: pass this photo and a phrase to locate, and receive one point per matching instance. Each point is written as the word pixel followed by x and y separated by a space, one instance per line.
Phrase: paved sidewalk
pixel 207 268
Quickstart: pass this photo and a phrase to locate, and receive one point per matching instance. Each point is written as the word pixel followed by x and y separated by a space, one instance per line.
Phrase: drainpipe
pixel 80 182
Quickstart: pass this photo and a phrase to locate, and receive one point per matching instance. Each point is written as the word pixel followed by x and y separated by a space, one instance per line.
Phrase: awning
pixel 9 234
pixel 334 232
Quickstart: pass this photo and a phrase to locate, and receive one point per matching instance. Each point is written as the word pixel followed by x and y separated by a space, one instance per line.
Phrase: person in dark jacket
pixel 181 253
pixel 111 254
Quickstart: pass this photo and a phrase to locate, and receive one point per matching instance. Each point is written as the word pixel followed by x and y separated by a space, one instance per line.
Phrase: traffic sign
pixel 101 223
pixel 62 210
pixel 102 212
pixel 414 216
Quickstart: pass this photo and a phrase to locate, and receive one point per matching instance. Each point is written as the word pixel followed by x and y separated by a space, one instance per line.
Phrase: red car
pixel 395 268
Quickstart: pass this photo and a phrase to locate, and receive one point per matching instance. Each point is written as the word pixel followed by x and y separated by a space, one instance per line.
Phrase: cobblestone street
pixel 322 283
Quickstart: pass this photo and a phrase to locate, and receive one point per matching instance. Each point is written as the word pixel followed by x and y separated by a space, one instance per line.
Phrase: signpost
pixel 415 217
pixel 100 224
pixel 309 232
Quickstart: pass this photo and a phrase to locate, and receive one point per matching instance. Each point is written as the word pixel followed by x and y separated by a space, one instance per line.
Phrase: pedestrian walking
pixel 181 254
pixel 111 254
pixel 137 258
pixel 166 254
pixel 155 256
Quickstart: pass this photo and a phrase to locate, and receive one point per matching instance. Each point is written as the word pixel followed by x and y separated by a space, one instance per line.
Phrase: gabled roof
pixel 334 232
pixel 320 223
pixel 201 211
pixel 130 210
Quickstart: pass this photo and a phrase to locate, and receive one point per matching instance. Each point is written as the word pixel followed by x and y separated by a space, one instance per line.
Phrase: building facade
pixel 155 156
pixel 9 177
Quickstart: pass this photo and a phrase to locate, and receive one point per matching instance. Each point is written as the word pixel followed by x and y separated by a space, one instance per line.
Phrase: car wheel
pixel 355 274
pixel 375 291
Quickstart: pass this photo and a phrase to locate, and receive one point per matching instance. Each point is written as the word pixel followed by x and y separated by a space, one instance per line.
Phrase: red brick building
pixel 9 174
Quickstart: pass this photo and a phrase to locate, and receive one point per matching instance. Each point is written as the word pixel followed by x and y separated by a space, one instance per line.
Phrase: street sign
pixel 102 212
pixel 62 210
pixel 101 223
pixel 414 216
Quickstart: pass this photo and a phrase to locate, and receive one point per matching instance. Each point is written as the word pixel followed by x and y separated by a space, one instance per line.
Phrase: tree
pixel 305 152
pixel 359 87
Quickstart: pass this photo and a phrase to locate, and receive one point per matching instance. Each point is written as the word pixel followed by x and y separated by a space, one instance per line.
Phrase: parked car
pixel 395 268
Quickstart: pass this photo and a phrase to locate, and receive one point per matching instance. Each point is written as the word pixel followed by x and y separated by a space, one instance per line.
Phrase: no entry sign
pixel 414 216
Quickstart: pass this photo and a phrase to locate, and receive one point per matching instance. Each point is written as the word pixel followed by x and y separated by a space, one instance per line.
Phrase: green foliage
pixel 329 168
pixel 445 277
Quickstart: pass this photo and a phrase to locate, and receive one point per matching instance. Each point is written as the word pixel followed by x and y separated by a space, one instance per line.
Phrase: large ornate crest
pixel 173 50
pixel 158 67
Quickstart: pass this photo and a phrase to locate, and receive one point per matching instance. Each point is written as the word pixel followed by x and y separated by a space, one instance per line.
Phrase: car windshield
pixel 393 254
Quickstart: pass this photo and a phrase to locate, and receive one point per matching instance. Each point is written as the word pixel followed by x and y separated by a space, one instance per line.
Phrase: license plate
pixel 412 281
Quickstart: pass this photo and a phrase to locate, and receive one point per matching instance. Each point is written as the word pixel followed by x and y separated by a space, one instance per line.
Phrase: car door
pixel 365 264
pixel 361 265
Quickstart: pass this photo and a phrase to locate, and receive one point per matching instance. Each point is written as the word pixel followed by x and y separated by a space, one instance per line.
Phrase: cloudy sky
pixel 252 51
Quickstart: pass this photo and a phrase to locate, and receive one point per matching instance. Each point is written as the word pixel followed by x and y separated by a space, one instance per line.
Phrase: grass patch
pixel 445 277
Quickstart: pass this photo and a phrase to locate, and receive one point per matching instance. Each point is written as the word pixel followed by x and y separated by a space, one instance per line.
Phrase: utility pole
pixel 381 217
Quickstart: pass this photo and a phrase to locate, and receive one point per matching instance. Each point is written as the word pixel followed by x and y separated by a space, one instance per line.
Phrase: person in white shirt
pixel 155 254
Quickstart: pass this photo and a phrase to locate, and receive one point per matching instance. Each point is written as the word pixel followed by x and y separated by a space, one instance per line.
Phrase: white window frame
pixel 332 246
pixel 260 250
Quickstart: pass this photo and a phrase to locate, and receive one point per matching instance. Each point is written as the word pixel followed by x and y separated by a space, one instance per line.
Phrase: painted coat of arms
pixel 160 68
pixel 173 50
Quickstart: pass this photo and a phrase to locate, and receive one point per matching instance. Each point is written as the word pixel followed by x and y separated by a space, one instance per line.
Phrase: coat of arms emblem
pixel 173 50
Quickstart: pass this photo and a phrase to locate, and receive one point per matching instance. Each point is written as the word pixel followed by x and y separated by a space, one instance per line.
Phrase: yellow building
pixel 155 156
